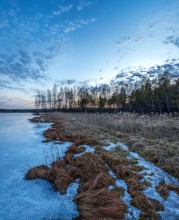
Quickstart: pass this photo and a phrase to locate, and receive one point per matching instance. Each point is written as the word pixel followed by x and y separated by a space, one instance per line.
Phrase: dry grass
pixel 38 172
pixel 74 149
pixel 128 171
pixel 57 132
pixel 153 137
pixel 149 207
pixel 100 204
pixel 163 189
pixel 94 200
pixel 56 175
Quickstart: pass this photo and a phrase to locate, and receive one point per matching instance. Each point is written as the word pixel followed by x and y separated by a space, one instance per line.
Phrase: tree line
pixel 159 95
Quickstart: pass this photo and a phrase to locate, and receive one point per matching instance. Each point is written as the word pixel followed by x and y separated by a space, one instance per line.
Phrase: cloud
pixel 173 40
pixel 4 23
pixel 67 82
pixel 7 85
pixel 20 66
pixel 82 5
pixel 62 9
pixel 73 25
pixel 123 40
pixel 134 75
pixel 120 75
pixel 15 102
pixel 31 43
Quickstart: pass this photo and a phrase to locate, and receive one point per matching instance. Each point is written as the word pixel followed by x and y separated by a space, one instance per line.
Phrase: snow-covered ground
pixel 21 148
pixel 171 205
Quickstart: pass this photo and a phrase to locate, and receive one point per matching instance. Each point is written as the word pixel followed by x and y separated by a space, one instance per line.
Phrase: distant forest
pixel 160 95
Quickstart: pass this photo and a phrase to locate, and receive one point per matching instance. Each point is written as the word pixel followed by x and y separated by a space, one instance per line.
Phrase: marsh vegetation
pixel 114 181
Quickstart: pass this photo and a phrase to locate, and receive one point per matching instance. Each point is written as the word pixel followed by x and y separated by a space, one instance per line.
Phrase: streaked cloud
pixel 74 25
pixel 62 9
pixel 67 82
pixel 173 40
pixel 135 74
pixel 4 23
pixel 82 5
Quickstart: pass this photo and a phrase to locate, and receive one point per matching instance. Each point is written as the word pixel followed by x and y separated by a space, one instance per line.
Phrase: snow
pixel 155 175
pixel 88 149
pixel 133 213
pixel 21 148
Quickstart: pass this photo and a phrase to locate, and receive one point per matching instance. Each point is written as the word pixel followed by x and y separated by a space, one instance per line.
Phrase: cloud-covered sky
pixel 69 41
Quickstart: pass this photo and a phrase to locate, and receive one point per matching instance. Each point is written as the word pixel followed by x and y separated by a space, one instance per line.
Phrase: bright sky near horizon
pixel 43 42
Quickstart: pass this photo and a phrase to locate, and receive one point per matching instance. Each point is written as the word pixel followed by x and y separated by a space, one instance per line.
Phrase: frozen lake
pixel 21 148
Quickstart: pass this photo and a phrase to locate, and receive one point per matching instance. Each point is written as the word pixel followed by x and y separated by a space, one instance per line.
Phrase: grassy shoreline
pixel 155 138
pixel 93 168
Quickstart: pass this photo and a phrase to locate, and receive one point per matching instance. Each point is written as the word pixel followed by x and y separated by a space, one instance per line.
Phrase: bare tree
pixel 49 99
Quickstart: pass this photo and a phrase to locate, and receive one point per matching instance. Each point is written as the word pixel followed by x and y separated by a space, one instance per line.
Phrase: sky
pixel 43 42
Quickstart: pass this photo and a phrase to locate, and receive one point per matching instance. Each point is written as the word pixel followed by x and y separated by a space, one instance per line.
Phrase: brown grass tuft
pixel 163 189
pixel 57 175
pixel 74 149
pixel 100 204
pixel 147 206
pixel 101 180
pixel 38 172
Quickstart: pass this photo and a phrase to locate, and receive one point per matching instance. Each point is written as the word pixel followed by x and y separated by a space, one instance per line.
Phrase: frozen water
pixel 155 175
pixel 87 149
pixel 110 146
pixel 110 187
pixel 158 174
pixel 171 208
pixel 133 213
pixel 21 148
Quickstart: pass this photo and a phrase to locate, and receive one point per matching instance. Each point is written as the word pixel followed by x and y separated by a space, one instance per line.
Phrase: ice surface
pixel 109 147
pixel 133 213
pixel 21 148
pixel 155 175
pixel 87 149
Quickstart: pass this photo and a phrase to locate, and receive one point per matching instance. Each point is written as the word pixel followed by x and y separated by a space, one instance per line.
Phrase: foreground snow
pixel 154 175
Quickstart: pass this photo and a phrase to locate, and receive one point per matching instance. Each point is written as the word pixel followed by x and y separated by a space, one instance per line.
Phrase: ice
pixel 110 187
pixel 109 147
pixel 155 175
pixel 171 207
pixel 21 148
pixel 87 149
pixel 53 152
pixel 133 213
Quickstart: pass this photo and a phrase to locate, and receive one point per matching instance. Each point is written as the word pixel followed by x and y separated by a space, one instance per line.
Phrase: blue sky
pixel 43 42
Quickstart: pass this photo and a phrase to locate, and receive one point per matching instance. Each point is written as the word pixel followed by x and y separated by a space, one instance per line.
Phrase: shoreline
pixel 90 184
pixel 154 138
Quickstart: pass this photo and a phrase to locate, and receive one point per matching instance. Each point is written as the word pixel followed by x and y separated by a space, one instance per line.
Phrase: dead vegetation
pixel 56 175
pixel 94 199
pixel 100 204
pixel 163 189
pixel 154 137
pixel 57 132
pixel 149 207
pixel 38 119
pixel 128 171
